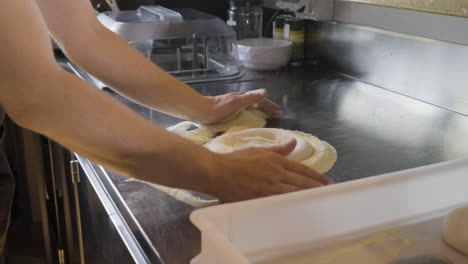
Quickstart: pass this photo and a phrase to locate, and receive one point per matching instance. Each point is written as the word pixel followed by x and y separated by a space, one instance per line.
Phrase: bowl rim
pixel 286 43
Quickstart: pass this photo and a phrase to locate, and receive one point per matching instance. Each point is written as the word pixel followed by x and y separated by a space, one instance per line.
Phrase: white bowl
pixel 264 54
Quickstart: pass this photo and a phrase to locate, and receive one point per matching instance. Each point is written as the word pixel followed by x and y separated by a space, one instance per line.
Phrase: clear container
pixel 189 44
pixel 246 18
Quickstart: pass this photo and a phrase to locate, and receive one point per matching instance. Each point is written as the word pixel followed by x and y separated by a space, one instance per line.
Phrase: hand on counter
pixel 258 172
pixel 226 106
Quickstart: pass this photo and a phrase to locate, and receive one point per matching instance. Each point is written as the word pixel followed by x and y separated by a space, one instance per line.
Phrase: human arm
pixel 114 62
pixel 39 95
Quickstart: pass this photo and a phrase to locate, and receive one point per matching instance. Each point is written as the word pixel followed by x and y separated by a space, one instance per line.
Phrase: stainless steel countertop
pixel 374 130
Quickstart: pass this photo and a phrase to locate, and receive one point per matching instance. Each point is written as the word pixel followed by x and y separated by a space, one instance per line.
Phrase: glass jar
pixel 246 18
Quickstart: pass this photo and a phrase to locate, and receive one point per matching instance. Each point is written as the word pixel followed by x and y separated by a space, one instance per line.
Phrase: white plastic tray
pixel 257 230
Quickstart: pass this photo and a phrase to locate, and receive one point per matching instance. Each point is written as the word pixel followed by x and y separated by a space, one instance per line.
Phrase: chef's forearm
pixel 41 96
pixel 120 66
pixel 71 112
pixel 113 61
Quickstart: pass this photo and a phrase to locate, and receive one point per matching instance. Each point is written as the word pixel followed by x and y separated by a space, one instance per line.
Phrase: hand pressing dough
pixel 455 229
pixel 249 117
pixel 309 150
pixel 201 134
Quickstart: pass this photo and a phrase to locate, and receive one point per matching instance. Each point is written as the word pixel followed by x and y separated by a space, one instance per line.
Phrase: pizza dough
pixel 250 118
pixel 309 150
pixel 201 134
pixel 193 132
pixel 261 137
pixel 185 196
pixel 455 229
pixel 248 131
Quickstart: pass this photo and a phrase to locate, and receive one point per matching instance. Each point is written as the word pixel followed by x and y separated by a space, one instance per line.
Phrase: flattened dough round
pixel 197 133
pixel 309 150
pixel 455 229
pixel 201 134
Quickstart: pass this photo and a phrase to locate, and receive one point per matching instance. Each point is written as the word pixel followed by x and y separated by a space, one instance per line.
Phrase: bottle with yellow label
pixel 278 26
pixel 294 31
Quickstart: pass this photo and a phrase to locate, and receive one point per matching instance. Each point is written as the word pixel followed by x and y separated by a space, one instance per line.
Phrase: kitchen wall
pixel 445 7
pixel 423 68
pixel 401 19
pixel 445 20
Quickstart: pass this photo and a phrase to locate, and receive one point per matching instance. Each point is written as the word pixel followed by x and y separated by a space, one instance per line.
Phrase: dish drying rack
pixel 189 44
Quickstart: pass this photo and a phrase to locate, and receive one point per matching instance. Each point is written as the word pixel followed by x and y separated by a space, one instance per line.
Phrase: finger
pixel 302 169
pixel 271 108
pixel 300 180
pixel 284 149
pixel 285 188
pixel 250 98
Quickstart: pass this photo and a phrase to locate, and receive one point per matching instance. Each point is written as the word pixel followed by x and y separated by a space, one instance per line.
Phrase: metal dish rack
pixel 189 44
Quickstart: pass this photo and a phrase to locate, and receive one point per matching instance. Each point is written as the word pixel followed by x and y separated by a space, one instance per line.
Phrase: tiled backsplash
pixel 446 7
